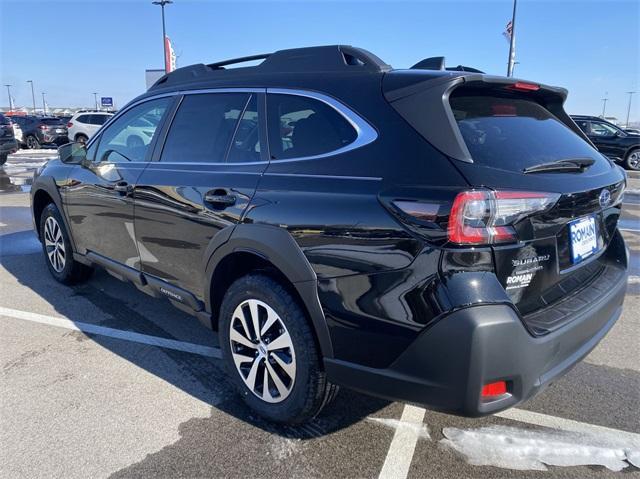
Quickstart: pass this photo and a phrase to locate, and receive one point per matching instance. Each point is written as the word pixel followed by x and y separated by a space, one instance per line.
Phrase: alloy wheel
pixel 262 351
pixel 54 243
pixel 634 160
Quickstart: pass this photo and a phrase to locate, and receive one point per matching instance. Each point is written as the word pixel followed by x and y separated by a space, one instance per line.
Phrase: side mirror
pixel 73 153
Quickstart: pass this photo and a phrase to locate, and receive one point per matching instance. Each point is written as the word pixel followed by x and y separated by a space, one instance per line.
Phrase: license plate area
pixel 583 238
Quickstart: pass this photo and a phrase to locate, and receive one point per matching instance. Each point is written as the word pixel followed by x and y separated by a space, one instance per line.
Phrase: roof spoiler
pixel 438 63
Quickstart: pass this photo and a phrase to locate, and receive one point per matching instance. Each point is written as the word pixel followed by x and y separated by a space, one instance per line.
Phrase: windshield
pixel 513 134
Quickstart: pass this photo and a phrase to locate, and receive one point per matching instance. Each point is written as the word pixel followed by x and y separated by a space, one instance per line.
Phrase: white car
pixel 83 125
pixel 17 132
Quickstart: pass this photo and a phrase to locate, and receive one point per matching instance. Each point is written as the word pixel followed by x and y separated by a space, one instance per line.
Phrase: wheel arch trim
pixel 278 247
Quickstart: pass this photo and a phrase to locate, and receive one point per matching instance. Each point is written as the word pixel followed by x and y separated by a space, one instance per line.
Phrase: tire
pixel 80 138
pixel 32 143
pixel 3 159
pixel 632 160
pixel 295 362
pixel 57 248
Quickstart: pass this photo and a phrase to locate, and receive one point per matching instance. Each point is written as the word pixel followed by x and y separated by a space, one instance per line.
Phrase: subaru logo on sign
pixel 605 198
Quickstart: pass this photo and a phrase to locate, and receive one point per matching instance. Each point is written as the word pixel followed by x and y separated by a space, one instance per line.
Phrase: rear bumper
pixel 8 146
pixel 447 365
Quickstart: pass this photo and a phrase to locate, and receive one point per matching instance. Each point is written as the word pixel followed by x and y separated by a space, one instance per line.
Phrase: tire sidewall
pixel 66 274
pixel 253 287
pixel 627 163
pixel 32 142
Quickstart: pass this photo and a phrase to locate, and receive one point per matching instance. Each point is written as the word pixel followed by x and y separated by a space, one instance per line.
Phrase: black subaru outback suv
pixel 442 237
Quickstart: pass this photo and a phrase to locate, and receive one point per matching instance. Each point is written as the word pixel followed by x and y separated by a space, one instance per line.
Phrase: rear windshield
pixel 51 121
pixel 513 134
pixel 4 120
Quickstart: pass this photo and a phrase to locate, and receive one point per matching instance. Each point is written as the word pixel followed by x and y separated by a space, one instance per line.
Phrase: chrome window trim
pixel 365 133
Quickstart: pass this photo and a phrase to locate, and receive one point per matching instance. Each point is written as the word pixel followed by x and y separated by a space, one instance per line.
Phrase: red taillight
pixel 524 86
pixel 43 127
pixel 69 125
pixel 487 217
pixel 494 389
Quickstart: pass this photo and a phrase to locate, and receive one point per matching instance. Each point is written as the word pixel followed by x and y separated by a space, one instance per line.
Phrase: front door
pixel 98 196
pixel 605 137
pixel 199 183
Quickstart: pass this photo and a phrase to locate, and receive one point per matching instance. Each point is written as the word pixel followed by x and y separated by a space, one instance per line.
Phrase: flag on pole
pixel 170 60
pixel 508 31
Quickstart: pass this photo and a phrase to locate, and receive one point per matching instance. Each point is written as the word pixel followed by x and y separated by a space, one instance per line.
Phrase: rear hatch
pixel 6 129
pixel 53 127
pixel 541 196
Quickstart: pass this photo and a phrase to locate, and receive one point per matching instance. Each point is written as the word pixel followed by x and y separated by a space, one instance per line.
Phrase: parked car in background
pixel 8 143
pixel 611 140
pixel 65 118
pixel 17 131
pixel 632 131
pixel 41 131
pixel 83 125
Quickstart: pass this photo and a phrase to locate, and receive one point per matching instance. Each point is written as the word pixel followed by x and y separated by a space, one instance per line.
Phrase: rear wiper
pixel 568 165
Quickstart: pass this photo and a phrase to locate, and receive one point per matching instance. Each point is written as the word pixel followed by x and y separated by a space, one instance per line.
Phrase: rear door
pixel 200 183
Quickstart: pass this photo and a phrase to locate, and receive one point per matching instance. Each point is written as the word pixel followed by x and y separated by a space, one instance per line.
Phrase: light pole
pixel 512 42
pixel 10 100
pixel 162 3
pixel 630 93
pixel 44 105
pixel 604 105
pixel 33 96
pixel 95 99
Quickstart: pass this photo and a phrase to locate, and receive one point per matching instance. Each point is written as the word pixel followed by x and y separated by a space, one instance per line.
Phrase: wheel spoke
pixel 289 368
pixel 281 342
pixel 239 338
pixel 243 321
pixel 272 317
pixel 255 319
pixel 266 394
pixel 251 377
pixel 240 359
pixel 282 389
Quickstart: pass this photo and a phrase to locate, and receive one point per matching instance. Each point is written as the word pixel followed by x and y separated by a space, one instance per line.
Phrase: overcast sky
pixel 73 48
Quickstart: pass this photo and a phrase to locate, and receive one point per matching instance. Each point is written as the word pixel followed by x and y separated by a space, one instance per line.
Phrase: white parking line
pixel 112 333
pixel 405 438
pixel 398 460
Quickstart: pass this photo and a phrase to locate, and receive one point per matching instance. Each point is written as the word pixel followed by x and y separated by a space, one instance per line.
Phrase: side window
pixel 84 119
pixel 602 129
pixel 583 125
pixel 129 137
pixel 301 127
pixel 203 126
pixel 99 119
pixel 245 147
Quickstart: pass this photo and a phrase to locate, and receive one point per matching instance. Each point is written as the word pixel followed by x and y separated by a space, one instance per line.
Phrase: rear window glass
pixel 51 121
pixel 301 127
pixel 513 134
pixel 4 120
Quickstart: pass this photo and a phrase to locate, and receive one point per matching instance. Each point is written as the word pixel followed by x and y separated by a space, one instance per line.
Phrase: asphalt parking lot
pixel 101 380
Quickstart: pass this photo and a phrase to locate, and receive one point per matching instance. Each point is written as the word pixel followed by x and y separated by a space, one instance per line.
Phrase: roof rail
pixel 233 61
pixel 438 63
pixel 332 58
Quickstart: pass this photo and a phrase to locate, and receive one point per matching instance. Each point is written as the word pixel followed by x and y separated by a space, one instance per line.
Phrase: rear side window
pixel 83 119
pixel 513 134
pixel 301 127
pixel 99 119
pixel 203 127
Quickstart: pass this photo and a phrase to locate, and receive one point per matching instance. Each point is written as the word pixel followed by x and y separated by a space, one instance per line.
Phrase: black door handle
pixel 123 187
pixel 220 198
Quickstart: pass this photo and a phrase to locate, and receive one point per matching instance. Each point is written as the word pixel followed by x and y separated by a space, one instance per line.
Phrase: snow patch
pixel 284 448
pixel 419 429
pixel 526 449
